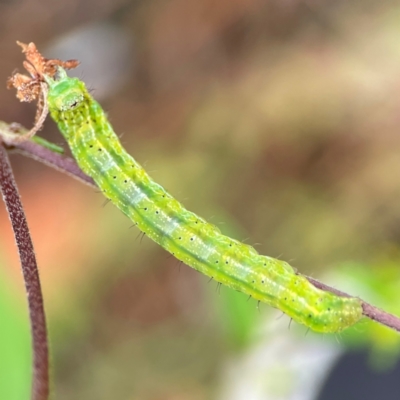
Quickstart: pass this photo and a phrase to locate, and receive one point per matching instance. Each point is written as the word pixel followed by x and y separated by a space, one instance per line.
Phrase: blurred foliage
pixel 276 120
pixel 379 283
pixel 15 343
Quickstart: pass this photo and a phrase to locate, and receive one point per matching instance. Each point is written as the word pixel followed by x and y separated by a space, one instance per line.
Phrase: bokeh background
pixel 277 121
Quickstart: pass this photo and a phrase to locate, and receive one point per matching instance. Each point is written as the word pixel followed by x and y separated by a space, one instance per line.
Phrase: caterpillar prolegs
pixel 187 236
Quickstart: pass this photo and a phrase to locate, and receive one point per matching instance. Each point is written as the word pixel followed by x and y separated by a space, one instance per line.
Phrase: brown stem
pixel 54 160
pixel 378 315
pixel 40 384
pixel 8 135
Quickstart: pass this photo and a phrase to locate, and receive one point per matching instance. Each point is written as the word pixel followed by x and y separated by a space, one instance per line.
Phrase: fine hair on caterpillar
pixel 192 240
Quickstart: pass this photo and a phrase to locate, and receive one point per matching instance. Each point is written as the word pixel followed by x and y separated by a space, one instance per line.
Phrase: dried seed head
pixel 29 87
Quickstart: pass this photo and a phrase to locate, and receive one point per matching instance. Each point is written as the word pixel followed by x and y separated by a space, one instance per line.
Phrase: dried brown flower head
pixel 29 87
pixel 34 87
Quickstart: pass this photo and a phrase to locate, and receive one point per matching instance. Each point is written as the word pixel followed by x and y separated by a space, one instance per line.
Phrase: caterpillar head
pixel 65 94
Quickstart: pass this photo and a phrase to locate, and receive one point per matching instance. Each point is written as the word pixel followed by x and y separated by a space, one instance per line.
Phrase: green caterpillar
pixel 188 237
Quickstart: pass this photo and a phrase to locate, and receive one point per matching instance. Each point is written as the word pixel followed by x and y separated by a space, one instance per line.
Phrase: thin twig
pixel 57 161
pixel 378 315
pixel 40 153
pixel 40 384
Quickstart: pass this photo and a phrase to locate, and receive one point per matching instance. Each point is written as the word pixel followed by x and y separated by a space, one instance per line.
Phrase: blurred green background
pixel 277 121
